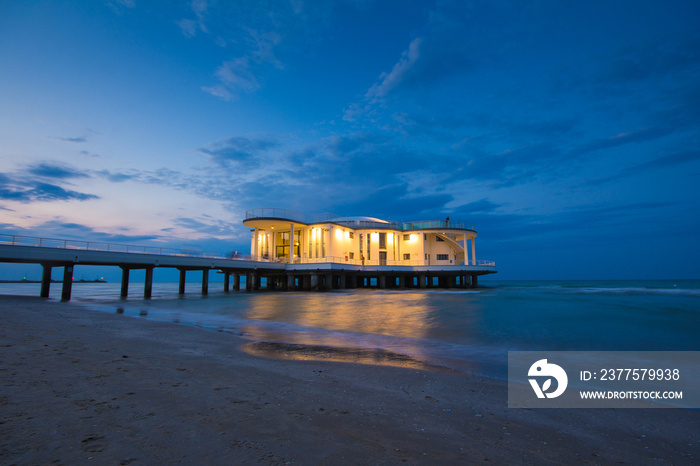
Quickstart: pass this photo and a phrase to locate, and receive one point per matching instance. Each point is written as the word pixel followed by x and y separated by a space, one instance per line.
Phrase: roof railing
pixel 357 223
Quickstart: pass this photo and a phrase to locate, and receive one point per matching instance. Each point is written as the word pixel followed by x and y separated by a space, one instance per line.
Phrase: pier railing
pixel 32 241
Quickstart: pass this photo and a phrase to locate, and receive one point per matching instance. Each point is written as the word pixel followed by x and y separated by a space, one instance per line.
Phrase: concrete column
pixel 466 250
pixel 227 278
pixel 148 285
pixel 343 281
pixel 402 281
pixel 474 252
pixel 329 281
pixel 181 286
pixel 205 282
pixel 475 281
pixel 313 283
pixel 381 281
pixel 125 282
pixel 291 243
pixel 249 281
pixel 306 282
pixel 291 281
pixel 236 281
pixel 255 245
pixel 45 281
pixel 421 281
pixel 67 282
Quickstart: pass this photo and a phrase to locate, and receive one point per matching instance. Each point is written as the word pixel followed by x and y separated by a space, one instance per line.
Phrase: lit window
pixel 407 237
pixel 442 257
pixel 407 257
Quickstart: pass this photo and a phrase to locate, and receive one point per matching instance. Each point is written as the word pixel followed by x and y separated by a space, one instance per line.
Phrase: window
pixel 406 237
pixel 438 239
pixel 382 240
pixel 351 255
pixel 407 257
pixel 369 252
pixel 442 257
pixel 352 235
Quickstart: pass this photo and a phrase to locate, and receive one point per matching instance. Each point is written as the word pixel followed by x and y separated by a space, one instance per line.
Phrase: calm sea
pixel 468 330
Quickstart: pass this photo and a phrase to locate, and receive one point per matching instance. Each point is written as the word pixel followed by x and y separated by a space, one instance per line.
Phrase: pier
pixel 330 273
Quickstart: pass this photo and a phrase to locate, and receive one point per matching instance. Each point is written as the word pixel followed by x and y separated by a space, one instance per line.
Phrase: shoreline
pixel 81 385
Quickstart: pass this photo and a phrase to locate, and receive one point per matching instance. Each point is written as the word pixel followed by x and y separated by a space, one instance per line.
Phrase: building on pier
pixel 280 235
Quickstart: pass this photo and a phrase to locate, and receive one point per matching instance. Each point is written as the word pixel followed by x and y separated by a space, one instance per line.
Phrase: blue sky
pixel 566 132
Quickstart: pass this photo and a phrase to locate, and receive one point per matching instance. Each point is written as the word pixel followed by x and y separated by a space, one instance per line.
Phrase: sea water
pixel 465 330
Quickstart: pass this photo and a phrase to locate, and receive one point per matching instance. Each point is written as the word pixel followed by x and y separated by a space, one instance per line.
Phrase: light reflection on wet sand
pixel 348 321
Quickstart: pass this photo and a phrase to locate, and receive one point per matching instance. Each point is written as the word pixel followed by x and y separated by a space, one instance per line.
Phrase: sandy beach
pixel 80 386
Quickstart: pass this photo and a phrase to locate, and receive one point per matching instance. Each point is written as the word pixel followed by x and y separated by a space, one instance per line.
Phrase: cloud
pixel 236 77
pixel 239 149
pixel 190 27
pixel 207 226
pixel 118 5
pixel 77 140
pixel 33 191
pixel 31 184
pixel 642 135
pixel 79 231
pixel 53 170
pixel 482 205
pixel 659 163
pixel 391 80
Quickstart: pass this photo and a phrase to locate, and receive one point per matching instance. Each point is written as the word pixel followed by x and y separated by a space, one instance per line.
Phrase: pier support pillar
pixel 475 281
pixel 402 281
pixel 306 283
pixel 45 281
pixel 181 285
pixel 353 281
pixel 67 282
pixel 205 282
pixel 313 282
pixel 125 282
pixel 329 281
pixel 343 281
pixel 421 281
pixel 148 286
pixel 290 282
pixel 227 279
pixel 236 281
pixel 382 281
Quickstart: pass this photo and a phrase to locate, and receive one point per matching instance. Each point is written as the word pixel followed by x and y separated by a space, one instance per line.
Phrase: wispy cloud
pixel 55 170
pixel 241 150
pixel 38 183
pixel 190 27
pixel 77 140
pixel 33 191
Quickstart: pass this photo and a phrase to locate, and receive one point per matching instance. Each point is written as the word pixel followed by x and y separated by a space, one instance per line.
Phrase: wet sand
pixel 80 386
